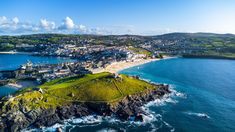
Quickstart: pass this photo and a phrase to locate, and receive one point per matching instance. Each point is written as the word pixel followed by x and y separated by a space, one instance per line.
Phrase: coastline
pixel 14 52
pixel 119 66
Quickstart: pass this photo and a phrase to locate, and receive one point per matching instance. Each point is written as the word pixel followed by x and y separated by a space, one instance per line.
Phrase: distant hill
pixel 172 43
pixel 196 44
pixel 191 35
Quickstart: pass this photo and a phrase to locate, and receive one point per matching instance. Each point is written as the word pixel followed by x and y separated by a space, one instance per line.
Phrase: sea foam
pixel 168 98
pixel 202 115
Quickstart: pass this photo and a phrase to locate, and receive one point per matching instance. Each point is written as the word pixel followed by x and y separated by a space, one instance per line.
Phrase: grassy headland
pixel 102 87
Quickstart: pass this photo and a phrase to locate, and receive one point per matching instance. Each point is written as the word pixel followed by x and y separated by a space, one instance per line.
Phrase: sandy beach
pixel 118 66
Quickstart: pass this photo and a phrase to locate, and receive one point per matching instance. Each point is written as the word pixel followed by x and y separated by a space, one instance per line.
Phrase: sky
pixel 140 17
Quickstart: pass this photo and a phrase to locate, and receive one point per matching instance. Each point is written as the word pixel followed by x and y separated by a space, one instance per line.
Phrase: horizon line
pixel 28 34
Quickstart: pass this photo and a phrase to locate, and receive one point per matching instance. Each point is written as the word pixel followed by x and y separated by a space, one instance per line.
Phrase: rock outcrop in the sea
pixel 15 119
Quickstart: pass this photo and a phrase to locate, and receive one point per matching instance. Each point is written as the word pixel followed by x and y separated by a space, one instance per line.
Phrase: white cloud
pixel 82 27
pixel 67 24
pixel 3 20
pixel 15 20
pixel 47 25
pixel 13 26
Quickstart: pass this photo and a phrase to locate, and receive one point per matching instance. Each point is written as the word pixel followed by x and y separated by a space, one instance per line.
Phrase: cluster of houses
pixel 94 56
pixel 44 73
pixel 86 52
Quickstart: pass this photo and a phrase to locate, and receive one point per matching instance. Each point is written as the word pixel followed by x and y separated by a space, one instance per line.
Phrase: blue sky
pixel 144 17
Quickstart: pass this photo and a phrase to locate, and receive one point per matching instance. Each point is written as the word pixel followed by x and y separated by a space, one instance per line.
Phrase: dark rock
pixel 47 120
pixel 139 117
pixel 69 111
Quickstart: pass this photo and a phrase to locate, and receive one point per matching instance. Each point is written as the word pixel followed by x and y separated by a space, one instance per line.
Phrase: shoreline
pixel 14 52
pixel 119 66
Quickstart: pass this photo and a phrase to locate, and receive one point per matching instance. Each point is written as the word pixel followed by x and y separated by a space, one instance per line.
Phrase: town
pixel 86 60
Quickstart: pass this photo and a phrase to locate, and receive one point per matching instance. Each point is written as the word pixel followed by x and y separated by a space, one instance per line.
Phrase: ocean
pixel 208 88
pixel 13 61
pixel 203 99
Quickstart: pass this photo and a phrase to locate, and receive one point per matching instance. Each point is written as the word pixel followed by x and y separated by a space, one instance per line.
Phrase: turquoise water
pixel 5 90
pixel 209 88
pixel 203 101
pixel 13 61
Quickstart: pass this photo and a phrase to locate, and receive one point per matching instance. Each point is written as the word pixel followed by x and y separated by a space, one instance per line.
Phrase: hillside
pixel 193 44
pixel 196 44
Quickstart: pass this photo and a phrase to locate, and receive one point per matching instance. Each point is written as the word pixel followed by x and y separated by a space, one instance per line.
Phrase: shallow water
pixel 6 90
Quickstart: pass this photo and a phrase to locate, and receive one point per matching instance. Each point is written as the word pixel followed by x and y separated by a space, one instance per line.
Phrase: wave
pixel 156 121
pixel 202 115
pixel 45 129
pixel 172 129
pixel 176 93
pixel 168 98
pixel 87 120
pixel 152 117
pixel 107 130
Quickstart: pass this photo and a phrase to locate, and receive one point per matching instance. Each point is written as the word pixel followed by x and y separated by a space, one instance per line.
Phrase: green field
pixel 102 87
pixel 140 51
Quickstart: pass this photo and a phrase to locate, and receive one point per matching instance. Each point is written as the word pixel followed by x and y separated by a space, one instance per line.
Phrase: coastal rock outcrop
pixel 127 108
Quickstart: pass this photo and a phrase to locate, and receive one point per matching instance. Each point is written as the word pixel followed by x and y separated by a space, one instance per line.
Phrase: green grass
pixel 101 87
pixel 140 51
